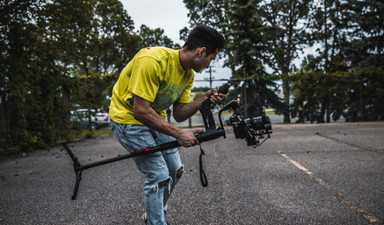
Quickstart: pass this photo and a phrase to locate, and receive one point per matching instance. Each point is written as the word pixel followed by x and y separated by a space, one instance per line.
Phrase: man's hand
pixel 187 138
pixel 214 96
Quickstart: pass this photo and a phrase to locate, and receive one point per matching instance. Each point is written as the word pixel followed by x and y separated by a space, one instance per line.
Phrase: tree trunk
pixel 286 92
pixel 320 119
pixel 66 105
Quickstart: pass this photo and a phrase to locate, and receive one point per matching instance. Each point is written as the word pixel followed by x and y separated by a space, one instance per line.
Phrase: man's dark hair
pixel 203 36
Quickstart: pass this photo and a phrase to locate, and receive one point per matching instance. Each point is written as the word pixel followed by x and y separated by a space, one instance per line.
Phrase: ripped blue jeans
pixel 159 167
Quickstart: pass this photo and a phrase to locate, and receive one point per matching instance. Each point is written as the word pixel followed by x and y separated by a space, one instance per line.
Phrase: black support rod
pixel 202 137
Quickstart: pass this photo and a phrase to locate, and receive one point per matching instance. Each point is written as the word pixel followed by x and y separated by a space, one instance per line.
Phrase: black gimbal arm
pixel 209 121
pixel 211 133
pixel 78 168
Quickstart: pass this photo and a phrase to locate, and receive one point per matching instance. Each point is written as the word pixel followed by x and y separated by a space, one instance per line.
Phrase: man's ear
pixel 202 51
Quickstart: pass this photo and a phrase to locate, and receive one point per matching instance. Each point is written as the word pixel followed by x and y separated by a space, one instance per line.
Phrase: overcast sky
pixel 171 16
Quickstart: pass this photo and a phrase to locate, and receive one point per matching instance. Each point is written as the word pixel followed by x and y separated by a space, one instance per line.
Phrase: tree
pixel 30 100
pixel 351 36
pixel 329 29
pixel 212 13
pixel 115 42
pixel 68 31
pixel 18 46
pixel 242 25
pixel 366 32
pixel 246 44
pixel 155 37
pixel 356 95
pixel 287 35
pixel 54 55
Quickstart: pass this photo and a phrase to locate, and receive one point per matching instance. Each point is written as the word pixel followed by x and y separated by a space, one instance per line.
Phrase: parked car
pixel 99 118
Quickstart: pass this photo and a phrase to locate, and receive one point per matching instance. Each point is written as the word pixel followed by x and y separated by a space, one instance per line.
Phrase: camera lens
pixel 261 123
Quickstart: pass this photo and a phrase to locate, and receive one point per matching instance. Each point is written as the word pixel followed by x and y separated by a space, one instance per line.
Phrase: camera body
pixel 251 129
pixel 257 125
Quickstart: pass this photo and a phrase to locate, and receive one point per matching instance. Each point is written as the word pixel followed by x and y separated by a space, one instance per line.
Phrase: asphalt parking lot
pixel 305 174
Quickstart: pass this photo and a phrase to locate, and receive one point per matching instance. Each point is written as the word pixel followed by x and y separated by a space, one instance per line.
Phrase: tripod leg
pixel 78 179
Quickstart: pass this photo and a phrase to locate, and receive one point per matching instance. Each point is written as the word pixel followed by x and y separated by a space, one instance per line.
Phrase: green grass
pixel 269 111
pixel 94 133
pixel 74 136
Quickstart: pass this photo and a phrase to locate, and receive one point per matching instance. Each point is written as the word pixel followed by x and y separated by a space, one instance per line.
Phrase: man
pixel 153 80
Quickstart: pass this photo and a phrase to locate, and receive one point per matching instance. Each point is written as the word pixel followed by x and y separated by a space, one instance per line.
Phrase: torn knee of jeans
pixel 179 173
pixel 163 183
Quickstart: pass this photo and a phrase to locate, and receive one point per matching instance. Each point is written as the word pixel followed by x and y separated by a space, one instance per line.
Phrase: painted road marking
pixel 340 196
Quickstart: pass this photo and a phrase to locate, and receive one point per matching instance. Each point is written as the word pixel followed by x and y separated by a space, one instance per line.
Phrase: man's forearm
pixel 154 121
pixel 147 116
pixel 185 111
pixel 143 112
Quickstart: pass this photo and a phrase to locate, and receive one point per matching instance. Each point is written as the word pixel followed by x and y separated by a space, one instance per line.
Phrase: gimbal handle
pixel 202 137
pixel 205 109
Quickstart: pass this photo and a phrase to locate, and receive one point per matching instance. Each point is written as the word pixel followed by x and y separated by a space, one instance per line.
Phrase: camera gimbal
pixel 250 129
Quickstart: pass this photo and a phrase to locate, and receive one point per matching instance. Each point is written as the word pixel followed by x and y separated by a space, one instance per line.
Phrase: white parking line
pixel 340 196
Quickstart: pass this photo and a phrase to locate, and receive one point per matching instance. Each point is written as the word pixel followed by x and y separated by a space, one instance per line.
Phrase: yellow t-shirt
pixel 154 74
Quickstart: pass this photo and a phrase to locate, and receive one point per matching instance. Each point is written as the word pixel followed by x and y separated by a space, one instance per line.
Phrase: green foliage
pixel 287 34
pixel 200 89
pixel 343 79
pixel 61 54
pixel 247 42
pixel 356 95
pixel 155 37
pixel 213 13
pixel 29 99
pixel 57 55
